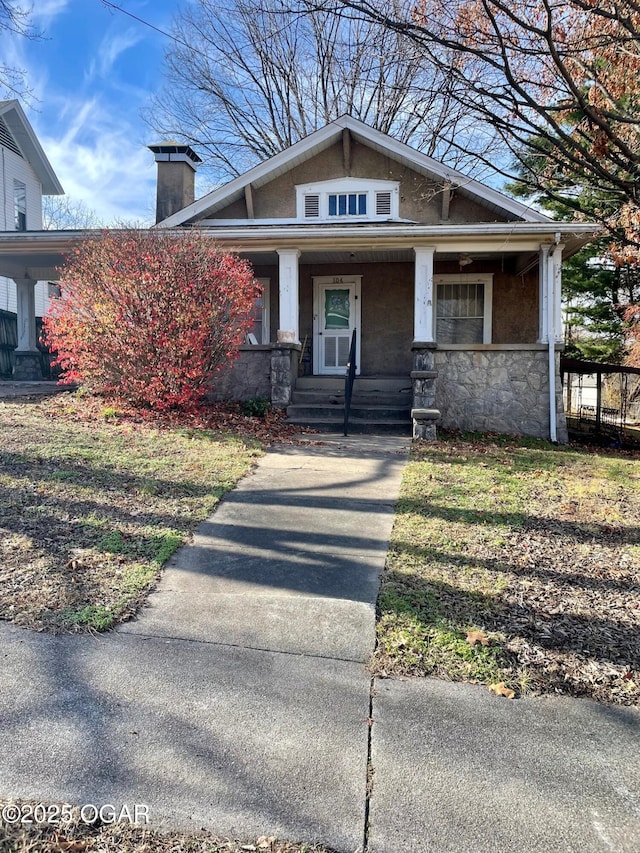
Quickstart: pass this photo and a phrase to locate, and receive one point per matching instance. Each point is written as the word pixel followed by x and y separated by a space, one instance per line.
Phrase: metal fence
pixel 601 399
pixel 9 342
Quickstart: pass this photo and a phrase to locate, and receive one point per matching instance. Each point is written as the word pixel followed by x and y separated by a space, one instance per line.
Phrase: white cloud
pixel 100 162
pixel 111 47
pixel 44 11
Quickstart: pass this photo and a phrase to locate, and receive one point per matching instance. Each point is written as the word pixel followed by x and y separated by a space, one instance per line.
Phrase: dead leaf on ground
pixel 474 637
pixel 502 690
pixel 66 844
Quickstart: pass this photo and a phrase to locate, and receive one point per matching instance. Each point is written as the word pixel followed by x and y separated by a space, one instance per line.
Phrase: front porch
pixel 392 297
pixel 403 297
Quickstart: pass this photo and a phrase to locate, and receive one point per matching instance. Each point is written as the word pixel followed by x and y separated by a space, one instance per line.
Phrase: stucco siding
pixel 420 196
pixel 515 308
pixel 387 310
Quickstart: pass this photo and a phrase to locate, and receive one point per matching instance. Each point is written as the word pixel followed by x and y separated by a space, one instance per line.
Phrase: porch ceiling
pixel 362 256
pixel 36 254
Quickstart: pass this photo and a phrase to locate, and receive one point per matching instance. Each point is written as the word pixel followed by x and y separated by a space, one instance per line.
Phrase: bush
pixel 257 407
pixel 149 316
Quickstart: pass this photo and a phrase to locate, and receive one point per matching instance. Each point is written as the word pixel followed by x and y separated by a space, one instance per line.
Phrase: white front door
pixel 336 313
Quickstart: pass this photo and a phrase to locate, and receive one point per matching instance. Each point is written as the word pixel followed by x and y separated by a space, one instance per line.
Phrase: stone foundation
pixel 248 377
pixel 498 389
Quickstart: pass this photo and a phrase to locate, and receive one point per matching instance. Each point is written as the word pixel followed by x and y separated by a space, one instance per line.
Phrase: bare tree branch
pixel 15 20
pixel 557 78
pixel 247 80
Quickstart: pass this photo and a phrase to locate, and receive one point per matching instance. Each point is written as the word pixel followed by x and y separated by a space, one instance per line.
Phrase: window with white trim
pixel 260 320
pixel 463 309
pixel 348 199
pixel 20 205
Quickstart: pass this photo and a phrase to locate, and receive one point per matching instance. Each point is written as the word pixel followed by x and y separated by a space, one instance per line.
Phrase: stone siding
pixel 498 390
pixel 248 377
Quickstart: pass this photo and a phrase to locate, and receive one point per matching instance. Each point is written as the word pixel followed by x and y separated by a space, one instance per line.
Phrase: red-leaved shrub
pixel 149 315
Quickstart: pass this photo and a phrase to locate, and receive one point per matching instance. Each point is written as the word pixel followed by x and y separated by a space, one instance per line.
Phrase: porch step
pixel 362 384
pixel 357 425
pixel 335 397
pixel 370 413
pixel 379 404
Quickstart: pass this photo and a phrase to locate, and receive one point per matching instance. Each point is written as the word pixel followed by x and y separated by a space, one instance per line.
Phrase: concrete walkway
pixel 239 702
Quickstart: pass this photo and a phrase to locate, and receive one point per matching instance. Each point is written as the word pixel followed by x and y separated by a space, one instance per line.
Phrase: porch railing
pixel 348 382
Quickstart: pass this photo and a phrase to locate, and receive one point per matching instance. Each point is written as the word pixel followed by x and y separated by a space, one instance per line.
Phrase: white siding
pixel 12 168
pixel 8 296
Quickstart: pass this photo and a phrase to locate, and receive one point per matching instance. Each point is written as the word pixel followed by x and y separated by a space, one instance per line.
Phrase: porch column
pixel 543 293
pixel 423 294
pixel 557 292
pixel 423 376
pixel 550 289
pixel 288 327
pixel 28 365
pixel 26 301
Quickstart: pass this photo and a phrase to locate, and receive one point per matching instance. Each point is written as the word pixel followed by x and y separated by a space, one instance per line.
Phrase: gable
pixel 349 148
pixel 420 196
pixel 17 136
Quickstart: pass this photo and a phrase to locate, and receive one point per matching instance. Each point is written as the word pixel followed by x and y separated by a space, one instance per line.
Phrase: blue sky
pixel 91 74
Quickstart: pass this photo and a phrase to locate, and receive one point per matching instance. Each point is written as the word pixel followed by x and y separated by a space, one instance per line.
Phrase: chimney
pixel 177 164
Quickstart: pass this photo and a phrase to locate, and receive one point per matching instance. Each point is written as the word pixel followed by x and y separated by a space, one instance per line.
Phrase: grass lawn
pixel 515 564
pixel 92 506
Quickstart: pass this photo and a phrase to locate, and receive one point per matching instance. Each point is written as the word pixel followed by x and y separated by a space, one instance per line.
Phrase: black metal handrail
pixel 349 380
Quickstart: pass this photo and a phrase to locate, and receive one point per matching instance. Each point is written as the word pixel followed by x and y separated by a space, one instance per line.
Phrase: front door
pixel 336 314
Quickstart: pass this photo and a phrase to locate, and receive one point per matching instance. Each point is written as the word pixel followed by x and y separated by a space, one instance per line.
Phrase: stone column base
pixel 284 371
pixel 424 423
pixel 423 380
pixel 28 367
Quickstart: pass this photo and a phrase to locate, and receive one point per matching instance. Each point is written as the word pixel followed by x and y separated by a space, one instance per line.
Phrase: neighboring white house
pixel 25 176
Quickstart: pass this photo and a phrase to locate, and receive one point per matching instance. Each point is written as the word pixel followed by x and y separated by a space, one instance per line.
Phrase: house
pixel 453 288
pixel 25 176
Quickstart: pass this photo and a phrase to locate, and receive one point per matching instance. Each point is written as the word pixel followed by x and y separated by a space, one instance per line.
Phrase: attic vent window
pixel 311 206
pixel 347 204
pixel 383 204
pixel 347 200
pixel 7 140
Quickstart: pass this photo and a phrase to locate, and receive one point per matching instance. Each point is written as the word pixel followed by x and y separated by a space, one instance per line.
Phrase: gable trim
pixel 21 131
pixel 330 134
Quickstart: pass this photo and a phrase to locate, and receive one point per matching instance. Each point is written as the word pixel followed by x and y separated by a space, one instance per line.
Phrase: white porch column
pixel 26 308
pixel 423 330
pixel 543 293
pixel 289 323
pixel 557 293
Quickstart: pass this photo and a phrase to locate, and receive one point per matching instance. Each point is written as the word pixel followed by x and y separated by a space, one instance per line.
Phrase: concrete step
pixel 336 397
pixel 379 404
pixel 371 413
pixel 362 384
pixel 394 426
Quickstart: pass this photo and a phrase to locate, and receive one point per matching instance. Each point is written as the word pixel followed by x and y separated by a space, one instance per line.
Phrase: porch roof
pixel 38 254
